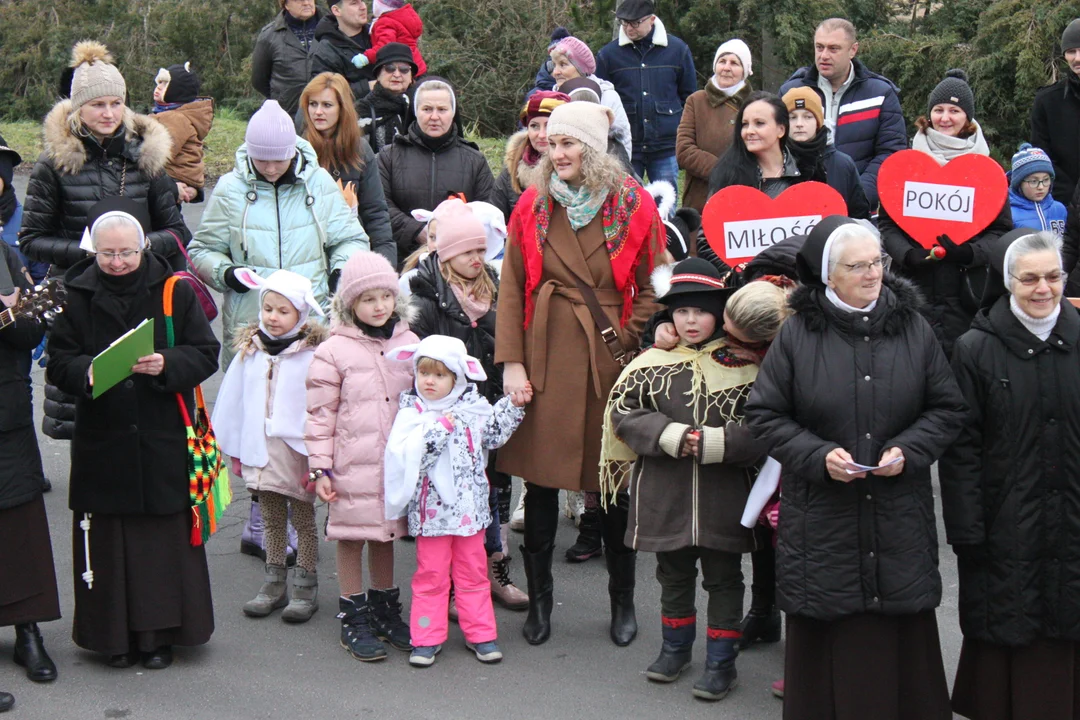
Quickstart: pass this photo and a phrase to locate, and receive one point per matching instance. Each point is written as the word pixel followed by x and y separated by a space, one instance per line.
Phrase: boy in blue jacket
pixel 1030 181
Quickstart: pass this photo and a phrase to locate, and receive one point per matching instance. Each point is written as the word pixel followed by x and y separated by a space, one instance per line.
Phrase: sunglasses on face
pixel 401 69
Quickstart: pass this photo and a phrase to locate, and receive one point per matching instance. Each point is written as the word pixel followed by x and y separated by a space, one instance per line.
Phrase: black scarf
pixel 1072 83
pixel 287 178
pixel 810 154
pixel 387 101
pixel 273 345
pixel 385 332
pixel 127 296
pixel 434 144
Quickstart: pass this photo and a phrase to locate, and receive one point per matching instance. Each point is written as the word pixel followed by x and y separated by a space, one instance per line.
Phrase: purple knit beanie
pixel 578 53
pixel 365 270
pixel 271 134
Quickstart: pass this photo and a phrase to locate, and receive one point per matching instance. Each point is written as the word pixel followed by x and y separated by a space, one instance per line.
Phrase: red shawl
pixel 632 226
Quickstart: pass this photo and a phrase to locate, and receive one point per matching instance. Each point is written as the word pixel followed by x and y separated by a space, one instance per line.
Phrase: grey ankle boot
pixel 305 596
pixel 272 595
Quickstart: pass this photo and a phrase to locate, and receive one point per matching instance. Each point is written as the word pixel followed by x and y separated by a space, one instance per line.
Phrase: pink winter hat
pixel 458 231
pixel 578 53
pixel 271 134
pixel 365 271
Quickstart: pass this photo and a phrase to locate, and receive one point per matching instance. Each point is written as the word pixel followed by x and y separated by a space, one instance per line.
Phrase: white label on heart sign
pixel 746 238
pixel 939 202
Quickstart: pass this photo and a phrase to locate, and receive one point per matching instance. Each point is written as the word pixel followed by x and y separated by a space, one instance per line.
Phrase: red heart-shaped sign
pixel 959 199
pixel 741 221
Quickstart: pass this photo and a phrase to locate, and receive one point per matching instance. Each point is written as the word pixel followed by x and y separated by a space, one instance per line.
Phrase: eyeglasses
pixel 1036 183
pixel 122 255
pixel 862 268
pixel 633 23
pixel 403 69
pixel 1031 279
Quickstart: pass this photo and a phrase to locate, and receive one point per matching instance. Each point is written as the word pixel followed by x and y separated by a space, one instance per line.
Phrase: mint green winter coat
pixel 305 227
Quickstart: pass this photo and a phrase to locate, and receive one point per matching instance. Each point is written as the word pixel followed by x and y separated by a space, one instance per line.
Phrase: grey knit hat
pixel 95 75
pixel 1070 39
pixel 954 90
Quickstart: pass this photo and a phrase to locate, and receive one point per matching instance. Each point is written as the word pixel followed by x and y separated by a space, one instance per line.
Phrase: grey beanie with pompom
pixel 954 90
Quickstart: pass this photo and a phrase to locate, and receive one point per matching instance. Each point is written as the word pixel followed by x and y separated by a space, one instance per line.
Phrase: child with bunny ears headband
pixel 259 423
pixel 435 463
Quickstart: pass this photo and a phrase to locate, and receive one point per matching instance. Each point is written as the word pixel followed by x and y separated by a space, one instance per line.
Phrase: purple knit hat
pixel 271 134
pixel 577 52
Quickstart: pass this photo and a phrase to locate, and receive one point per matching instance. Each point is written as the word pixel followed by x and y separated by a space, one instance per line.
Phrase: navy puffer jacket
pixel 870 126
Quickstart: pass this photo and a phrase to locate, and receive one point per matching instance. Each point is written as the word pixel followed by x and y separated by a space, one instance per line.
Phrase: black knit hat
pixel 1070 39
pixel 696 283
pixel 809 261
pixel 394 53
pixel 184 85
pixel 681 232
pixel 954 90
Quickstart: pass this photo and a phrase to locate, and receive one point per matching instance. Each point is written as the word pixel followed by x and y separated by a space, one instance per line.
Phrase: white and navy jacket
pixel 870 125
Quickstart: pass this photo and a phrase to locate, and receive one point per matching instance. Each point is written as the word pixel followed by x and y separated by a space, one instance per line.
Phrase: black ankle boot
pixel 537 627
pixel 386 620
pixel 7 701
pixel 589 542
pixel 760 626
pixel 357 636
pixel 621 580
pixel 720 676
pixel 30 653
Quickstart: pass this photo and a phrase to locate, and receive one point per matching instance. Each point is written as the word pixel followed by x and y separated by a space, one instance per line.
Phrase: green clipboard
pixel 114 363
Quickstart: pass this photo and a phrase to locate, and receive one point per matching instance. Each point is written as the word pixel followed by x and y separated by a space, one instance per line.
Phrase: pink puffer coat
pixel 352 398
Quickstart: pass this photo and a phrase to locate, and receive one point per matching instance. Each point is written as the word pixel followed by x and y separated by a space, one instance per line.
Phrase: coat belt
pixel 608 297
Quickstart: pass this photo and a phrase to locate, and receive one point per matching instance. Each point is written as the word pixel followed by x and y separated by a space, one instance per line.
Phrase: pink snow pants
pixel 437 558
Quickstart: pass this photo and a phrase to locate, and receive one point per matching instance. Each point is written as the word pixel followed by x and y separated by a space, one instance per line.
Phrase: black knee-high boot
pixel 622 570
pixel 541 523
pixel 762 623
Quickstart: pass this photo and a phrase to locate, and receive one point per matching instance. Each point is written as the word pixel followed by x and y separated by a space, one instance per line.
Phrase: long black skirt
pixel 865 667
pixel 27 576
pixel 151 588
pixel 1038 682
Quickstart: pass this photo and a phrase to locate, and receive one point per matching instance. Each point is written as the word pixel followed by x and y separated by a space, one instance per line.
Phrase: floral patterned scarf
pixel 581 203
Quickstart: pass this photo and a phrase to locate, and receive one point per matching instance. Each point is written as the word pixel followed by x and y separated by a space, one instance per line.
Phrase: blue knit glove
pixel 360 61
pixel 39 353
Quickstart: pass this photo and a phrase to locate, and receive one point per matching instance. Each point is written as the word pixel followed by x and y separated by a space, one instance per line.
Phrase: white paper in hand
pixel 764 487
pixel 857 468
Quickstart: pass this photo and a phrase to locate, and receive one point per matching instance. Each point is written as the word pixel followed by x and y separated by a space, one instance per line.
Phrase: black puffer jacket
pixel 1010 485
pixel 952 292
pixel 414 176
pixel 371 209
pixel 334 51
pixel 129 453
pixel 866 383
pixel 21 475
pixel 74 173
pixel 438 312
pixel 382 115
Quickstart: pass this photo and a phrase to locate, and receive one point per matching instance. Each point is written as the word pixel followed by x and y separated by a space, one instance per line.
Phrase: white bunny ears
pixel 491 217
pixel 450 351
pixel 294 287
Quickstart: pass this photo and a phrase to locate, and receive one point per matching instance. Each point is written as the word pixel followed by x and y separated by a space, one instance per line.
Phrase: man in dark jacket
pixel 339 37
pixel 281 61
pixel 862 108
pixel 654 74
pixel 1055 119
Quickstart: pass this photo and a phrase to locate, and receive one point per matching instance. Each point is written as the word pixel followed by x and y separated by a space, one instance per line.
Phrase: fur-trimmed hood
pixel 898 306
pixel 148 143
pixel 521 175
pixel 313 334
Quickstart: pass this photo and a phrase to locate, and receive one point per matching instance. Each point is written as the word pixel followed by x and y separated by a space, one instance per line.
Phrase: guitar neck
pixel 6 318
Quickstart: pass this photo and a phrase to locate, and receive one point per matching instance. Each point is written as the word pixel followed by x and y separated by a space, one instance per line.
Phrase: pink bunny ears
pixel 447 350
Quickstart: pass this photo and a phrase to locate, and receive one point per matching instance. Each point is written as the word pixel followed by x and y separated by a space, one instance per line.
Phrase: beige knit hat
pixel 586 121
pixel 95 75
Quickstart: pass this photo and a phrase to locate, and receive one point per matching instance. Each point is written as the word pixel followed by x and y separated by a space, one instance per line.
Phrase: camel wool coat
pixel 705 132
pixel 558 443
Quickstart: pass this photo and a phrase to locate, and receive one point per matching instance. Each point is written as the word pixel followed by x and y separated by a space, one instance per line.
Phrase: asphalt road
pixel 267 669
